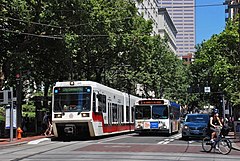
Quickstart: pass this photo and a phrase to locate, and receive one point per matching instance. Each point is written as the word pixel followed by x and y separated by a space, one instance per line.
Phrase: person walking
pixel 47 124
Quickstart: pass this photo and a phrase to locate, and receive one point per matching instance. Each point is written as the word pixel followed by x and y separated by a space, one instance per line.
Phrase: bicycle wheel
pixel 207 144
pixel 225 146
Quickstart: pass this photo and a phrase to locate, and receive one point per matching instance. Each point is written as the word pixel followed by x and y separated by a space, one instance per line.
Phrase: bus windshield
pixel 159 112
pixel 143 112
pixel 72 99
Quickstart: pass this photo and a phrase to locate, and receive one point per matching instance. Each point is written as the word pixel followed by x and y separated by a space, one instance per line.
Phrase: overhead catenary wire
pixel 59 27
pixel 31 34
pixel 36 23
pixel 76 25
pixel 60 37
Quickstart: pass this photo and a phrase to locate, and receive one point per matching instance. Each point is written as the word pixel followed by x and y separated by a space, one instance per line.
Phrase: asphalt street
pixel 126 147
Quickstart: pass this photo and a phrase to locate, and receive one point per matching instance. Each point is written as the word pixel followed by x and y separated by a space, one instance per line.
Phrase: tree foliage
pixel 100 40
pixel 217 65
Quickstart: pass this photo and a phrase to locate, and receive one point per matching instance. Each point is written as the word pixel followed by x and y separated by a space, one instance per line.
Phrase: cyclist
pixel 214 122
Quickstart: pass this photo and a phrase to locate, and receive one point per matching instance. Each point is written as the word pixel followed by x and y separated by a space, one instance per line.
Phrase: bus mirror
pixel 171 116
pixel 98 96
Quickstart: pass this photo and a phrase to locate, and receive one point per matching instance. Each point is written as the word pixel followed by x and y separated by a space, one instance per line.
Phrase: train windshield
pixel 159 112
pixel 143 112
pixel 72 99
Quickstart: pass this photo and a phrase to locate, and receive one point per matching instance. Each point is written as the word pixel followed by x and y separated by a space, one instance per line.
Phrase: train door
pixel 110 113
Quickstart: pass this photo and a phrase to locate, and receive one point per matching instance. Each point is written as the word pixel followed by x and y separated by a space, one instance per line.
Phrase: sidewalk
pixel 6 141
pixel 235 141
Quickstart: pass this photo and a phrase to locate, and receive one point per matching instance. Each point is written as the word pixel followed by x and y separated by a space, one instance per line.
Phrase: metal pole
pixel 130 110
pixel 238 27
pixel 223 106
pixel 11 115
pixel 19 99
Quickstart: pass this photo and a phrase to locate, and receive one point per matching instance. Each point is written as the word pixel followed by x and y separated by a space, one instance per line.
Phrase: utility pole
pixel 223 106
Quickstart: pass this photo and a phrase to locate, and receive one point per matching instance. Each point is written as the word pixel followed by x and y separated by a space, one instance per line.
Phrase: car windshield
pixel 197 118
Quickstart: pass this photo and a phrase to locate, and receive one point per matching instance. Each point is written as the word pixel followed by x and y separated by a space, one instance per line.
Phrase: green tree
pixel 217 65
pixel 100 40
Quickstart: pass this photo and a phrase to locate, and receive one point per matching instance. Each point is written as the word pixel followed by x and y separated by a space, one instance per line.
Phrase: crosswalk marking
pixel 38 141
pixel 166 141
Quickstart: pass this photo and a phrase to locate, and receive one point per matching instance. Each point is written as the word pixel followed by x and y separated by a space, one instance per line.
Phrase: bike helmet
pixel 215 111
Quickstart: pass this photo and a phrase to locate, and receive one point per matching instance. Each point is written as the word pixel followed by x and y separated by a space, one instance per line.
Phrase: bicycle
pixel 222 144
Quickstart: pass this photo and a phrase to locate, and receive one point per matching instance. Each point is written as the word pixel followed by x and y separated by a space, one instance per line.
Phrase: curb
pixel 10 144
pixel 17 142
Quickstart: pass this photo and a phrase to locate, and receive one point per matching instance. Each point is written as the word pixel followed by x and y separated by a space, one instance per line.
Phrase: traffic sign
pixel 207 89
pixel 4 97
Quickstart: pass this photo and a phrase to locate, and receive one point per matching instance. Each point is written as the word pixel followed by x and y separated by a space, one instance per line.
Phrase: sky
pixel 210 20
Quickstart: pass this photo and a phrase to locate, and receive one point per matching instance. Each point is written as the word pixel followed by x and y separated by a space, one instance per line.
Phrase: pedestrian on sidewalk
pixel 47 124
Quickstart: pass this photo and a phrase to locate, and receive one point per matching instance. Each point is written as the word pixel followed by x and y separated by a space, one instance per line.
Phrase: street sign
pixel 4 97
pixel 207 89
pixel 8 117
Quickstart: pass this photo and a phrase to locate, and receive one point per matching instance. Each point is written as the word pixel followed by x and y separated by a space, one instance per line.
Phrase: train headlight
pixel 85 114
pixel 57 115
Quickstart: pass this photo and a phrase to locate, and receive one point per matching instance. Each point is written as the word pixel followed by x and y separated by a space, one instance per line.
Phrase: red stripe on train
pixel 113 127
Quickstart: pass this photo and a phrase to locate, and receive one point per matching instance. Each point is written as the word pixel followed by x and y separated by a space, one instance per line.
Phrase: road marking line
pixel 38 141
pixel 161 142
pixel 190 142
pixel 177 136
pixel 111 139
pixel 166 142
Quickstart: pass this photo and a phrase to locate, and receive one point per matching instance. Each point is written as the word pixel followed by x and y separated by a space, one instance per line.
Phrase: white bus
pixel 157 116
pixel 86 108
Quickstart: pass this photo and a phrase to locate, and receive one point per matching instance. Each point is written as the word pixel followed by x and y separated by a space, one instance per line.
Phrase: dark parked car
pixel 195 125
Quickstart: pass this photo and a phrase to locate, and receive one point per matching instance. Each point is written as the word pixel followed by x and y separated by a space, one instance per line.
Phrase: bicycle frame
pixel 222 144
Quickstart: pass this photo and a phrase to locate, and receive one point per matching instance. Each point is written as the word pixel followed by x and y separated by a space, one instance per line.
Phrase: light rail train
pixel 87 108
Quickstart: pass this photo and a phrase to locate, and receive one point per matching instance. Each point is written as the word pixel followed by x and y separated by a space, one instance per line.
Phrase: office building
pixel 162 23
pixel 167 29
pixel 232 7
pixel 150 11
pixel 182 13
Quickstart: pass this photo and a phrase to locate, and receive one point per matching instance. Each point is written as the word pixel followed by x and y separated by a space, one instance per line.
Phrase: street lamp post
pixel 223 105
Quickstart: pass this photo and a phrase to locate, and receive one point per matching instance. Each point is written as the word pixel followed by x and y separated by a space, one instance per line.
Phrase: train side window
pixel 132 114
pixel 127 114
pixel 114 112
pixel 94 102
pixel 101 103
pixel 122 114
pixel 109 114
